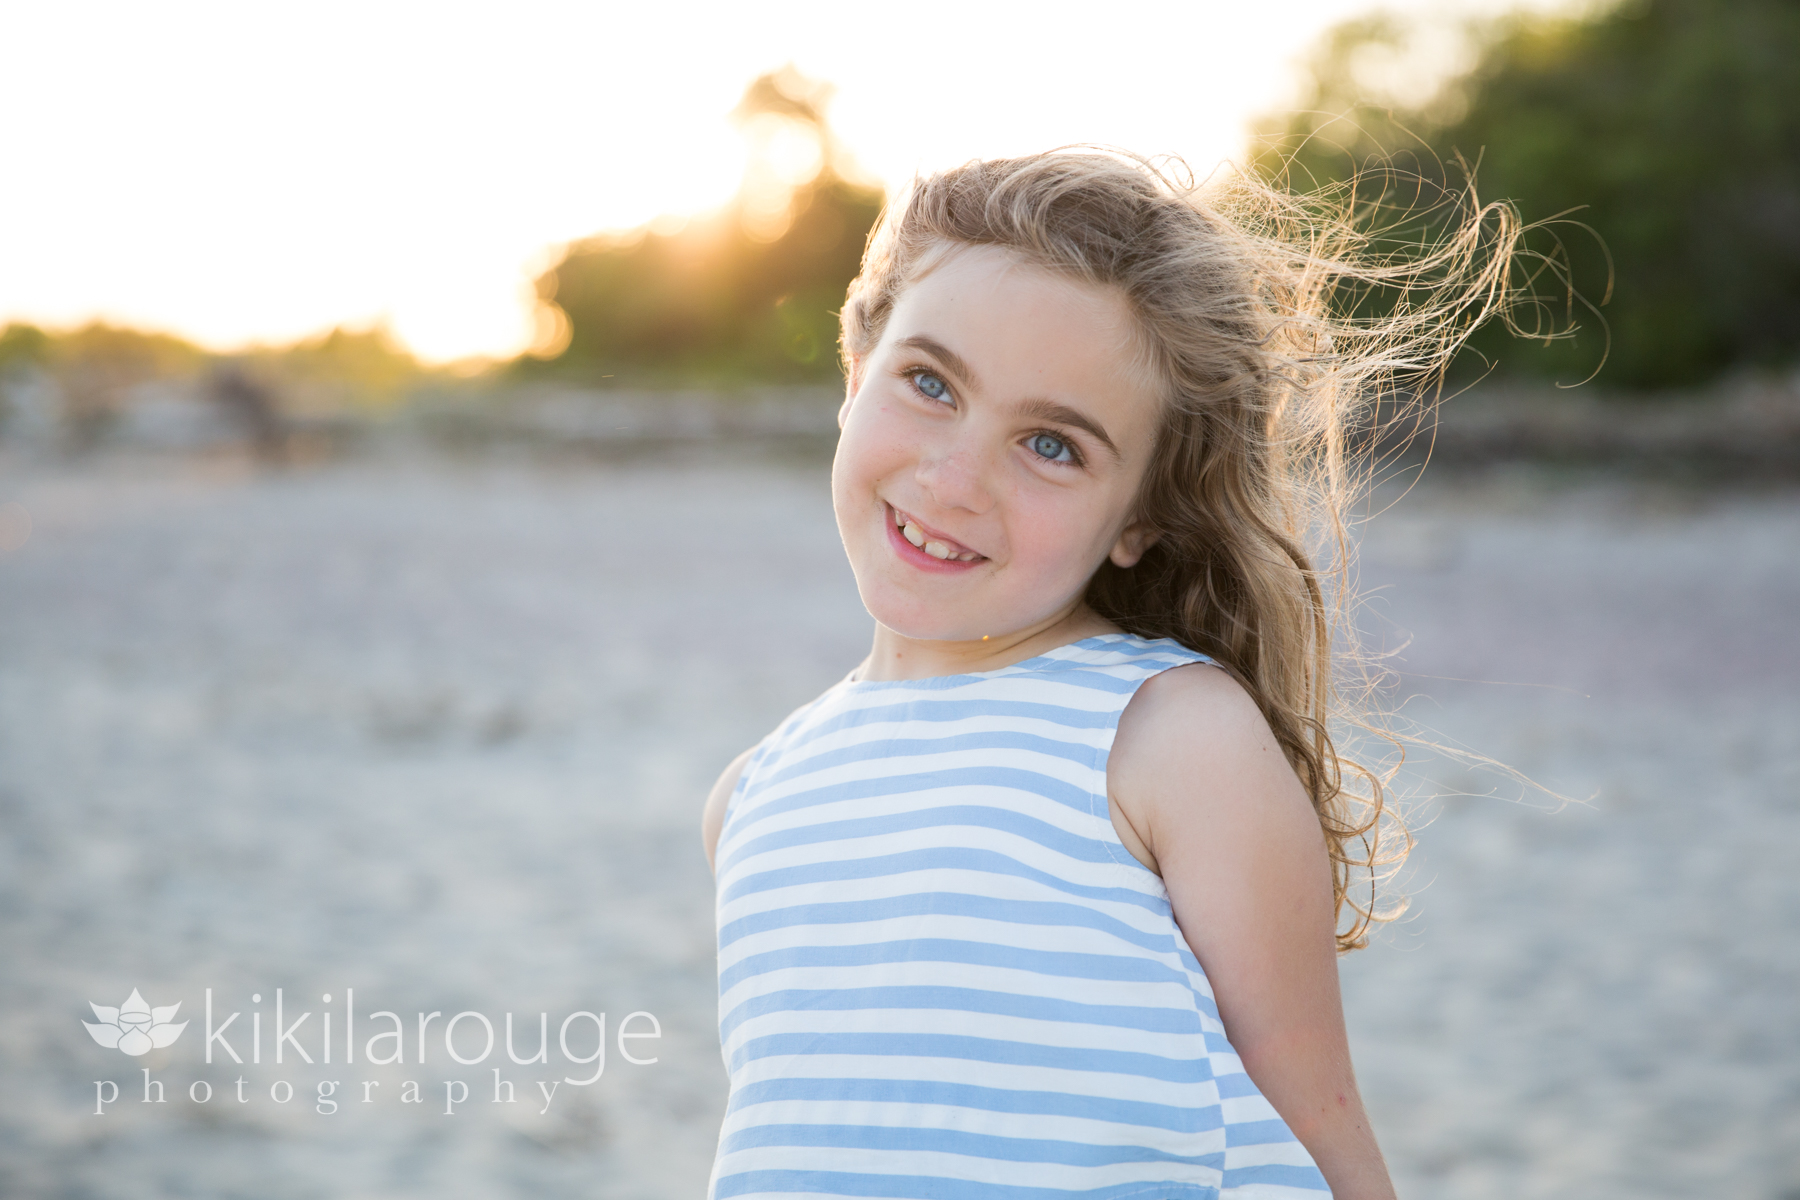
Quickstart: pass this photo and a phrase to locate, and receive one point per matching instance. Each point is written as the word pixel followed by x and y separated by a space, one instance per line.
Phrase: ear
pixel 1133 542
pixel 851 384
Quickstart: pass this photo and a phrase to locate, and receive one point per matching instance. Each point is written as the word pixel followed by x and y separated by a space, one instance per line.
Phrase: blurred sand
pixel 439 731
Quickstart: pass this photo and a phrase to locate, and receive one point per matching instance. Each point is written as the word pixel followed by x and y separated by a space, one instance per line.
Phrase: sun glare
pixel 256 173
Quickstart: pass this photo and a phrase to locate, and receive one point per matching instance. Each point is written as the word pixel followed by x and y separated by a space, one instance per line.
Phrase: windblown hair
pixel 1246 302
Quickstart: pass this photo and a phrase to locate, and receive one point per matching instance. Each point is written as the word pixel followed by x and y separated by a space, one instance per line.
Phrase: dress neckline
pixel 1054 654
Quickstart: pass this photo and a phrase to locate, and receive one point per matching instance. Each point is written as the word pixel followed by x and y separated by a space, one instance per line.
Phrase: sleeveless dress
pixel 942 975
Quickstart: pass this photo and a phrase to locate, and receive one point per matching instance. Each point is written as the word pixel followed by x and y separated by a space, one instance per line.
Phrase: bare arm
pixel 1203 796
pixel 712 818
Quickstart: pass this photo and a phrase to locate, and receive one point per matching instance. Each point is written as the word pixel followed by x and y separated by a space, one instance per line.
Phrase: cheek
pixel 862 459
pixel 870 447
pixel 1061 538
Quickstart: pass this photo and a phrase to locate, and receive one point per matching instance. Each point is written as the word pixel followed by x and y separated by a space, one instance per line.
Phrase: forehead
pixel 992 305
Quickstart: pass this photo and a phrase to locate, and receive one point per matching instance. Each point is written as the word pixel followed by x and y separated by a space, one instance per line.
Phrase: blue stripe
pixel 1173 1117
pixel 974 1049
pixel 949 904
pixel 912 747
pixel 955 1141
pixel 1007 779
pixel 932 858
pixel 1060 963
pixel 1258 1133
pixel 966 1000
pixel 911 1187
pixel 969 816
pixel 1234 1085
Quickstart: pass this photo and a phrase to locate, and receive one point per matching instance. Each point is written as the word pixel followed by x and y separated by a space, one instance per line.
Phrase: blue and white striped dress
pixel 942 975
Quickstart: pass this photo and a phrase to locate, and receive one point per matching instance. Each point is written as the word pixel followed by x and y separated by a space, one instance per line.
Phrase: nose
pixel 954 474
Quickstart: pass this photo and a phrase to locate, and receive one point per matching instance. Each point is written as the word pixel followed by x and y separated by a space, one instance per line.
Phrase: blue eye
pixel 1048 445
pixel 930 385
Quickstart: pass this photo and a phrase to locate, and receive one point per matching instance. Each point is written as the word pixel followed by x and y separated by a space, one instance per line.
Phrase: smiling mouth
pixel 942 549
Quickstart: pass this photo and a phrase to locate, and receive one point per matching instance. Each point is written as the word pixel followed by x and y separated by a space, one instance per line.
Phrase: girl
pixel 1044 899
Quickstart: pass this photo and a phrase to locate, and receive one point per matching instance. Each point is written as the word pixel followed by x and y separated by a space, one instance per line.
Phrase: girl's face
pixel 993 443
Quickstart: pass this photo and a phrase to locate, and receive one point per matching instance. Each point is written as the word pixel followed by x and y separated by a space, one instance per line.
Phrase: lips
pixel 929 541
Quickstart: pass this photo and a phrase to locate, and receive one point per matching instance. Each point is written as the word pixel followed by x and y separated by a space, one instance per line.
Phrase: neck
pixel 896 656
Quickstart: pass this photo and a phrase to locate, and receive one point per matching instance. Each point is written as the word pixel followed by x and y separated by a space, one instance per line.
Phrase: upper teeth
pixel 911 532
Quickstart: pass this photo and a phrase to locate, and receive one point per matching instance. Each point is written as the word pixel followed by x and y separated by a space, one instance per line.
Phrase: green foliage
pixel 122 354
pixel 1670 127
pixel 21 343
pixel 365 367
pixel 747 294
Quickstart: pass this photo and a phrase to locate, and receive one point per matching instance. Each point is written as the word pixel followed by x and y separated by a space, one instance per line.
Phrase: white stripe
pixel 1102 1085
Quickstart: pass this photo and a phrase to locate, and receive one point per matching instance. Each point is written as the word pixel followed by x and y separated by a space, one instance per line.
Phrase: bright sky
pixel 240 172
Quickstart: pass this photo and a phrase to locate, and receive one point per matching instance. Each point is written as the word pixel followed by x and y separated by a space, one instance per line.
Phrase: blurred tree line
pixel 97 367
pixel 749 293
pixel 360 367
pixel 1670 127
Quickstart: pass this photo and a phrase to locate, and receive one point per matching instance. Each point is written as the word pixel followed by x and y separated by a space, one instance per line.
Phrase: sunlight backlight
pixel 255 173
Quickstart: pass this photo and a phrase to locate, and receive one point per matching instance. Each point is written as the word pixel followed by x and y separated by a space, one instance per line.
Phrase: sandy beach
pixel 437 730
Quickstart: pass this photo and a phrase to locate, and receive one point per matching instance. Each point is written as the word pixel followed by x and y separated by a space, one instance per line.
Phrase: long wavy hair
pixel 1247 302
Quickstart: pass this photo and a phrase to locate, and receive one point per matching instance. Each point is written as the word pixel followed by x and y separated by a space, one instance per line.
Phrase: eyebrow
pixel 1062 414
pixel 953 362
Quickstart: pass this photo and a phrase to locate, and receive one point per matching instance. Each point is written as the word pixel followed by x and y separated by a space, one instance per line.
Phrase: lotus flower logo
pixel 134 1026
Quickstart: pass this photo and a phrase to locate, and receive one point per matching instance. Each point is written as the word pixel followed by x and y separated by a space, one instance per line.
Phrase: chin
pixel 919 622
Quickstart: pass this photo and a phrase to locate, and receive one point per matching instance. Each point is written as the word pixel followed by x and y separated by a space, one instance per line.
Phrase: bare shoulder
pixel 712 818
pixel 1200 700
pixel 1193 752
pixel 1196 716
